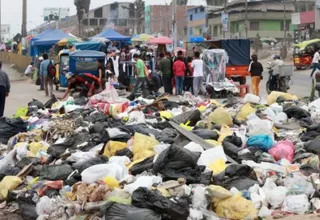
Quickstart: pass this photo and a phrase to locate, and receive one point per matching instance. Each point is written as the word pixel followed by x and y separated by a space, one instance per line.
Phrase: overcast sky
pixel 12 10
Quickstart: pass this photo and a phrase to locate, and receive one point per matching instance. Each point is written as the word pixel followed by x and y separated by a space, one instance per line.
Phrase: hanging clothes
pixel 115 61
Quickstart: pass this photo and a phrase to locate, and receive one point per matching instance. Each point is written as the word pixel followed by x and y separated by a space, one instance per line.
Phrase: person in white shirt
pixel 198 78
pixel 315 62
pixel 30 69
pixel 134 51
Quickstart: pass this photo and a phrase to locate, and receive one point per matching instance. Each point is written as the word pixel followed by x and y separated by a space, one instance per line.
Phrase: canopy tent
pixel 44 41
pixel 113 35
pixel 91 45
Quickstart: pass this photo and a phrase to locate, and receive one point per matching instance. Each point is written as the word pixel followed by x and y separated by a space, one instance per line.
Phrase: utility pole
pixel 174 27
pixel 225 11
pixel 0 21
pixel 285 22
pixel 135 18
pixel 24 18
pixel 246 18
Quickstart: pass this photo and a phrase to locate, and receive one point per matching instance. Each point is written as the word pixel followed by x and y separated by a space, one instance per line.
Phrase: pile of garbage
pixel 192 159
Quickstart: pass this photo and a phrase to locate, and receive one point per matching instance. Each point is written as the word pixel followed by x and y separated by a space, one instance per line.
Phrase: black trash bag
pixel 240 183
pixel 140 128
pixel 55 172
pixel 81 101
pixel 296 112
pixel 144 198
pixel 240 170
pixel 32 110
pixel 313 146
pixel 50 102
pixel 167 135
pixel 98 127
pixel 36 103
pixel 231 102
pixel 281 99
pixel 176 162
pixel 125 152
pixel 230 149
pixel 306 122
pixel 191 116
pixel 9 127
pixel 8 171
pixel 115 211
pixel 247 156
pixel 309 136
pixel 144 165
pixel 206 134
pixel 27 160
pixel 93 161
pixel 56 150
pixel 234 139
pixel 27 204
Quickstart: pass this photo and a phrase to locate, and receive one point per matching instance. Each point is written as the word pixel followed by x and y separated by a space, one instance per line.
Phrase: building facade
pixel 264 18
pixel 196 21
pixel 158 20
pixel 119 16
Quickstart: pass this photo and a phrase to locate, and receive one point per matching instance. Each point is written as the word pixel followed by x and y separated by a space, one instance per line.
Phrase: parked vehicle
pixel 84 61
pixel 303 53
pixel 61 64
pixel 238 51
pixel 283 79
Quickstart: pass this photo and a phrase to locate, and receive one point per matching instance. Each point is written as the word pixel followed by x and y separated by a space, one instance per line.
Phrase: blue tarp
pixel 87 54
pixel 45 40
pixel 196 39
pixel 91 45
pixel 113 35
pixel 238 51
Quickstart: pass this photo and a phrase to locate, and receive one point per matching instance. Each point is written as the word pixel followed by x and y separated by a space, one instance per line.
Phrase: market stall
pixel 43 42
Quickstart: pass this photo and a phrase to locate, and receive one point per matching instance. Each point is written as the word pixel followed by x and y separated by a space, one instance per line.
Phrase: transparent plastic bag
pixel 297 184
pixel 296 204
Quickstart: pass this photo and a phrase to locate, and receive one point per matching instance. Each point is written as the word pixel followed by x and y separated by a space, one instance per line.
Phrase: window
pixel 122 22
pixel 98 13
pixel 254 25
pixel 215 31
pixel 191 31
pixel 93 22
pixel 287 26
pixel 103 22
pixel 191 17
pixel 202 9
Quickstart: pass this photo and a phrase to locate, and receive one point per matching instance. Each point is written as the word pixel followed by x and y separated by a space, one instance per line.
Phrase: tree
pixel 82 6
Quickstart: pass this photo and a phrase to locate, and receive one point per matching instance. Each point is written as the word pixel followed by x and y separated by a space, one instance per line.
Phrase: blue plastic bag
pixel 263 142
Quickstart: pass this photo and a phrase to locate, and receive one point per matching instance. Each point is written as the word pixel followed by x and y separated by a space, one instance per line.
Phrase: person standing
pixel 198 78
pixel 4 89
pixel 165 67
pixel 188 81
pixel 256 70
pixel 315 62
pixel 47 80
pixel 179 69
pixel 141 77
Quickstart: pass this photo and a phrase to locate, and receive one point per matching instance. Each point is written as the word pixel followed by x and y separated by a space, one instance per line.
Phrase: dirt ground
pixel 298 217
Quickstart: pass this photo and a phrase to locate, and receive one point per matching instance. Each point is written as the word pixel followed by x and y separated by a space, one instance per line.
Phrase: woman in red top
pixel 179 69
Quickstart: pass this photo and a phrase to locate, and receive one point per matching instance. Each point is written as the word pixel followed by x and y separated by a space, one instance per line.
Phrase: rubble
pixel 109 158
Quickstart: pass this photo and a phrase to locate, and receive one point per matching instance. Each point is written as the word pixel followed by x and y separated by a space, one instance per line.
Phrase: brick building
pixel 158 20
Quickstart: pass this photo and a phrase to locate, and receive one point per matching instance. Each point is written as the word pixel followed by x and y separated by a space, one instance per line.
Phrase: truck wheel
pixel 242 81
pixel 267 87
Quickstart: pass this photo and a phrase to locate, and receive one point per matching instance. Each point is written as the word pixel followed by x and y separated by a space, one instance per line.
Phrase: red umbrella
pixel 161 40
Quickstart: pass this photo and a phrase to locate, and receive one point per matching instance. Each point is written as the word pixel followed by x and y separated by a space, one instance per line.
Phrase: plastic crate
pixel 286 70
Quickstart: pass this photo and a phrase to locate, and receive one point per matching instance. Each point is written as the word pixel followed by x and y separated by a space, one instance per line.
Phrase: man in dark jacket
pixel 4 89
pixel 256 70
pixel 165 67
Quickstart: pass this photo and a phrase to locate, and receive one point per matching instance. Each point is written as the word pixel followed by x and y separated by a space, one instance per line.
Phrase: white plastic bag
pixel 160 147
pixel 281 118
pixel 277 196
pixel 44 206
pixel 194 147
pixel 250 98
pixel 120 159
pixel 296 203
pixel 270 114
pixel 209 156
pixel 100 171
pixel 265 212
pixel 80 157
pixel 199 200
pixel 136 117
pixel 314 105
pixel 276 108
pixel 260 127
pixel 142 181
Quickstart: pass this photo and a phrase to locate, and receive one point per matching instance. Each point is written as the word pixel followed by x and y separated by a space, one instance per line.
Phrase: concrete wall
pixel 21 62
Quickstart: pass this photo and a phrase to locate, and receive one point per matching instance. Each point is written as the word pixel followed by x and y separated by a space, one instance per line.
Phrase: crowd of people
pixel 138 69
